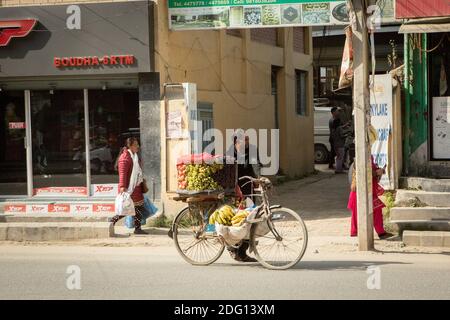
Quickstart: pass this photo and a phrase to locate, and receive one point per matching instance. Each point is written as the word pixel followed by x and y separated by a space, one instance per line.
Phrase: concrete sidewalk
pixel 321 199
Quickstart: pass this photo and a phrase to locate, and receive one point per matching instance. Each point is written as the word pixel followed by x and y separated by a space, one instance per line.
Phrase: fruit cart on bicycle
pixel 277 235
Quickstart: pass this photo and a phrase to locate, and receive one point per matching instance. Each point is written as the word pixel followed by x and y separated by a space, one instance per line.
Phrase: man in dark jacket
pixel 334 115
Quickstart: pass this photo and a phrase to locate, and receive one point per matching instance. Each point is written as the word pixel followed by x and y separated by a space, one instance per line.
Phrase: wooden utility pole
pixel 361 101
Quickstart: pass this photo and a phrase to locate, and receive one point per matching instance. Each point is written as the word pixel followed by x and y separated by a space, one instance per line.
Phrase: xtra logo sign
pixel 104 208
pixel 81 208
pixel 59 208
pixel 37 208
pixel 15 29
pixel 16 208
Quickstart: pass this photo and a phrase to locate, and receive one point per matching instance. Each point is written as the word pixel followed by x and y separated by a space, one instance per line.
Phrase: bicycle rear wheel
pixel 191 241
pixel 285 252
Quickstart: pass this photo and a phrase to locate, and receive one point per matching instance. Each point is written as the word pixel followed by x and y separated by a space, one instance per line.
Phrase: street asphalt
pixel 41 272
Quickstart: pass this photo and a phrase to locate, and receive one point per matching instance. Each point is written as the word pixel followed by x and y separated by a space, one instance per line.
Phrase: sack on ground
pixel 124 205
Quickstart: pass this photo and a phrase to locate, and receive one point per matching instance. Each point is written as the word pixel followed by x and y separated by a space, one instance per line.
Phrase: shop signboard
pixel 441 128
pixel 413 9
pixel 77 39
pixel 382 120
pixel 219 14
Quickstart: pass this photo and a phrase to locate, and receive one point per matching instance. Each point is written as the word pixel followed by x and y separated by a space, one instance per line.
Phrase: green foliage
pixel 161 222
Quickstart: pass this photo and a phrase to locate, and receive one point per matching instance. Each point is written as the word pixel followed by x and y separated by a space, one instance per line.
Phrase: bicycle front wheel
pixel 192 242
pixel 280 242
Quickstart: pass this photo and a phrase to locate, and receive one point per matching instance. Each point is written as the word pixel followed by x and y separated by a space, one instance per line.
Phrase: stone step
pixel 426 238
pixel 425 184
pixel 421 219
pixel 53 231
pixel 55 217
pixel 421 214
pixel 426 198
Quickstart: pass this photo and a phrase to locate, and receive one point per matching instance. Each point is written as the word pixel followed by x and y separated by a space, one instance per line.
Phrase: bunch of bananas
pixel 239 218
pixel 224 216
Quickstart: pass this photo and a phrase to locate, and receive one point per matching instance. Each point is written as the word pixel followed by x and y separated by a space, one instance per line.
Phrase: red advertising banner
pixel 15 208
pixel 61 191
pixel 104 208
pixel 407 9
pixel 59 208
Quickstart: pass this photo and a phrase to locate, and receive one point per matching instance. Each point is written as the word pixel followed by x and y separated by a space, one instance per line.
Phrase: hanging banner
pixel 441 128
pixel 346 76
pixel 220 14
pixel 382 120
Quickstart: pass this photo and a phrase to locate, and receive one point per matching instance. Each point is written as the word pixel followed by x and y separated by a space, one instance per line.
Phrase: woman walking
pixel 130 180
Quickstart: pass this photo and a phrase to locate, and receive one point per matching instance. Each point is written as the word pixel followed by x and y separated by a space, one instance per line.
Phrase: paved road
pixel 39 272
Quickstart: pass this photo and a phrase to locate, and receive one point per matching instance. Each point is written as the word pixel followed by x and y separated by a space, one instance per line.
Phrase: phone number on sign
pixel 226 309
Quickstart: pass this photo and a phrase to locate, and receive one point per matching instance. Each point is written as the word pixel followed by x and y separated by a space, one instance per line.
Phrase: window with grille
pixel 205 115
pixel 301 92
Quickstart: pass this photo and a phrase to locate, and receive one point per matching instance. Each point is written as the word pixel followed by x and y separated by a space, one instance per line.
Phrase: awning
pixel 424 28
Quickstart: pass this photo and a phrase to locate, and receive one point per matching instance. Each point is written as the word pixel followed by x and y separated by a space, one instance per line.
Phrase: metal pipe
pixel 87 140
pixel 28 143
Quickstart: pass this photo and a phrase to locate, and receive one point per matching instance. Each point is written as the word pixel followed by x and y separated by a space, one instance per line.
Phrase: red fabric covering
pixel 125 169
pixel 197 158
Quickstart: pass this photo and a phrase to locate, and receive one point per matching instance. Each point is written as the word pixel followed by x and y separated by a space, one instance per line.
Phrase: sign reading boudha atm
pixel 62 62
pixel 77 39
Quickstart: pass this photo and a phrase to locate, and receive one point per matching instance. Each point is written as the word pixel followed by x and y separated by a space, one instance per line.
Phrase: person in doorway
pixel 338 137
pixel 377 191
pixel 130 180
pixel 244 152
pixel 334 115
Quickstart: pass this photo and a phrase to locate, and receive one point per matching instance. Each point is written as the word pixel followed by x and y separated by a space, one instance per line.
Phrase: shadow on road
pixel 342 265
pixel 320 265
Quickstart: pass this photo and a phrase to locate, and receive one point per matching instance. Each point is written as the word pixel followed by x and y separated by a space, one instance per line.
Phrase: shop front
pixel 75 82
pixel 426 144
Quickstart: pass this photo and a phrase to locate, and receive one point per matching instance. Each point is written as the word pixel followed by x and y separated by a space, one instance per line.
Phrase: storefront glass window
pixel 113 117
pixel 13 170
pixel 57 124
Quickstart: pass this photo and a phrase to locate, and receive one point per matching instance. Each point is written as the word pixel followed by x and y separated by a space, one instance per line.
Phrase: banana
pixel 213 217
pixel 219 219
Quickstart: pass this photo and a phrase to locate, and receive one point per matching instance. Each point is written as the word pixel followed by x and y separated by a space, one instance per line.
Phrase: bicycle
pixel 278 236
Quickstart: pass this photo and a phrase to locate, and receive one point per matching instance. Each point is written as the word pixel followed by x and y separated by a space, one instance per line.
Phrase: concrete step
pixel 421 219
pixel 426 238
pixel 426 198
pixel 425 184
pixel 425 213
pixel 54 217
pixel 52 231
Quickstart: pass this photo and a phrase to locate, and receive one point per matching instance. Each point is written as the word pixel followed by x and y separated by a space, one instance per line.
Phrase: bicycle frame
pixel 264 210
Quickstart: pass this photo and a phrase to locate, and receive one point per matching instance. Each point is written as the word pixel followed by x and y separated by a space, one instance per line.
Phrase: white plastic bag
pixel 124 205
pixel 233 235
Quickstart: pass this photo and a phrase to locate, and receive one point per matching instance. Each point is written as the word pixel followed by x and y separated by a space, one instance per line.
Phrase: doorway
pixel 13 165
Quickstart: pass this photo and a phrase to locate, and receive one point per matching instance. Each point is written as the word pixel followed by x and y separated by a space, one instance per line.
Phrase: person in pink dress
pixel 378 205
